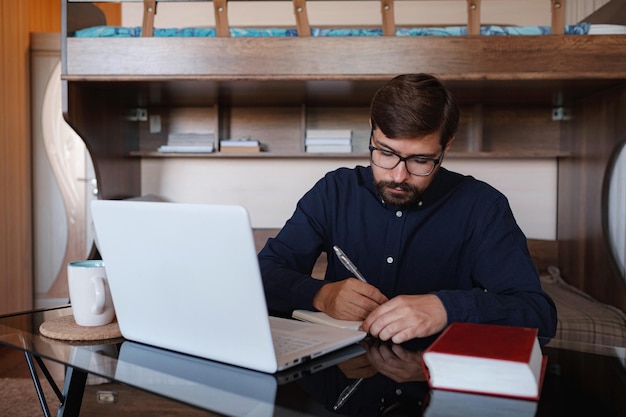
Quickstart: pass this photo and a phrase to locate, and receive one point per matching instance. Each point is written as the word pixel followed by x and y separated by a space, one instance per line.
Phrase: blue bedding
pixel 487 30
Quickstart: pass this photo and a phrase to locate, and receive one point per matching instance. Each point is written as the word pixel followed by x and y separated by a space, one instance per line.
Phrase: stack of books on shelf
pixel 240 145
pixel 189 143
pixel 328 141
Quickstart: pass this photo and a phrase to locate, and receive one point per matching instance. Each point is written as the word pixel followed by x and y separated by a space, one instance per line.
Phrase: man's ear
pixel 448 146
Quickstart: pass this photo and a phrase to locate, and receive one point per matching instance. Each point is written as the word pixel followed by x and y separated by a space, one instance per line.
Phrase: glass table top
pixel 368 379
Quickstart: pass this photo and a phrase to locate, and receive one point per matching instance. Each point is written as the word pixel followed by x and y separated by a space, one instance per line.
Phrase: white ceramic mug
pixel 89 293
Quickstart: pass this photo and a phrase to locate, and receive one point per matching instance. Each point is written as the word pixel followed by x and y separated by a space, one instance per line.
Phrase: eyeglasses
pixel 415 165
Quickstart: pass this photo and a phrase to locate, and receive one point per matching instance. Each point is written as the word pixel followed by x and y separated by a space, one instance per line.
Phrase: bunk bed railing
pixel 303 27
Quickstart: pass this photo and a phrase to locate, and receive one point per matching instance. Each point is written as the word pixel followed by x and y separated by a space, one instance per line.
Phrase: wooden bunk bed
pixel 561 95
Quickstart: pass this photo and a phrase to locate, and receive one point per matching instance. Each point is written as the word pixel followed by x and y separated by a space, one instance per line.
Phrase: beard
pixel 410 197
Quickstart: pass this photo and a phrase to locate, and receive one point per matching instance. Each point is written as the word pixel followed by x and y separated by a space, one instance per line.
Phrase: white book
pixel 328 133
pixel 174 135
pixel 329 148
pixel 185 149
pixel 174 138
pixel 327 141
pixel 176 142
pixel 239 142
pixel 320 317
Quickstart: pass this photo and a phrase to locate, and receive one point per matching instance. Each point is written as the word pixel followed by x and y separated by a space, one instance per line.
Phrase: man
pixel 434 246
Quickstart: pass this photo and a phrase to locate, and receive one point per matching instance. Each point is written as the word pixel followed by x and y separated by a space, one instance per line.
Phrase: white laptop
pixel 186 277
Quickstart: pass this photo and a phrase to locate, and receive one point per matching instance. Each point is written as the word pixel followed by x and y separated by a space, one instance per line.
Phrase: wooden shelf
pixel 470 58
pixel 509 155
pixel 279 155
pixel 261 155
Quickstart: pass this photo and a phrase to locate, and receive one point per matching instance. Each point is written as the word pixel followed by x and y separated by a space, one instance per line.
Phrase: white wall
pixel 267 13
pixel 269 188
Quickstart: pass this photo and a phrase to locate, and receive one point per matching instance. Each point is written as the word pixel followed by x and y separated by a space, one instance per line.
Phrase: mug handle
pixel 98 307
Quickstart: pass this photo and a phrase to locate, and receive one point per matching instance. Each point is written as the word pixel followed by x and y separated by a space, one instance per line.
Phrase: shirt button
pixel 419 203
pixel 389 260
pixel 399 213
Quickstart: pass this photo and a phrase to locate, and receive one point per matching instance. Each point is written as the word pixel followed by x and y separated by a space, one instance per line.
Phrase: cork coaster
pixel 65 328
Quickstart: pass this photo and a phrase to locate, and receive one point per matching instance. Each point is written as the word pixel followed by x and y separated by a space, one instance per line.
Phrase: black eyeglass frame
pixel 435 161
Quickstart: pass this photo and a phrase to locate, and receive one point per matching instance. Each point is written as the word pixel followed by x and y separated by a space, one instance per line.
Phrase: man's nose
pixel 399 173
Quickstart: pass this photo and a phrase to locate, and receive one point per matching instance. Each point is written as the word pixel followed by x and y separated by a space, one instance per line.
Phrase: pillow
pixel 582 318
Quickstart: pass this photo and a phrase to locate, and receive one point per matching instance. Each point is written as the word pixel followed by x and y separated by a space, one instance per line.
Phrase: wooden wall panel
pixel 113 13
pixel 17 19
pixel 44 16
pixel 597 125
pixel 15 175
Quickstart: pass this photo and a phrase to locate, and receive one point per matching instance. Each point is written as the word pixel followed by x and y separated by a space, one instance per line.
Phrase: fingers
pixel 370 291
pixel 406 317
pixel 349 299
pixel 394 328
pixel 380 323
pixel 360 298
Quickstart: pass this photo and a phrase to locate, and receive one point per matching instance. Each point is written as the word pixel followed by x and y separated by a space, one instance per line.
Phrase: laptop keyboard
pixel 285 343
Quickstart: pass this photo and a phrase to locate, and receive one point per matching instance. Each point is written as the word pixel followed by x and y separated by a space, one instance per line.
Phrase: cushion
pixel 582 318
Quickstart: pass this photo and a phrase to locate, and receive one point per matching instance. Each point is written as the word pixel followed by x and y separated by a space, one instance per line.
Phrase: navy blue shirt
pixel 460 242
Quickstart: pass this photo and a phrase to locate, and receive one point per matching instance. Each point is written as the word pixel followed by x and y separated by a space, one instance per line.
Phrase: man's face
pixel 397 186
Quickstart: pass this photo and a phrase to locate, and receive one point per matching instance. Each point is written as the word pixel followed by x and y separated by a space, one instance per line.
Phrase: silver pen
pixel 346 394
pixel 348 263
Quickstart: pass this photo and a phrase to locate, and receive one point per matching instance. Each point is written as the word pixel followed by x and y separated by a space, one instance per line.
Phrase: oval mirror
pixel 614 206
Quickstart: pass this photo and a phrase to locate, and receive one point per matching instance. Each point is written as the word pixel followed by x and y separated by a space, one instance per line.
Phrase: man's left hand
pixel 406 317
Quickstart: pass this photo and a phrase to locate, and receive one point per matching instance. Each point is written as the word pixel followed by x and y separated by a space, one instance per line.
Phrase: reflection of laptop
pixel 211 385
pixel 186 277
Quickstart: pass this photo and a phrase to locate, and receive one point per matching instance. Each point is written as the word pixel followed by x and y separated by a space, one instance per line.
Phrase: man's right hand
pixel 350 299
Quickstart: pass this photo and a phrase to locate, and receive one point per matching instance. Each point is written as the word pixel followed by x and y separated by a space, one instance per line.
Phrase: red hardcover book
pixel 486 359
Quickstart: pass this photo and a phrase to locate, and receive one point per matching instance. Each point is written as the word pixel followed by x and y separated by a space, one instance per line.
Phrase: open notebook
pixel 186 277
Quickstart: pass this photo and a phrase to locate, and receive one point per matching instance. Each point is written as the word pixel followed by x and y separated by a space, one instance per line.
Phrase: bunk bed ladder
pixel 222 28
pixel 149 10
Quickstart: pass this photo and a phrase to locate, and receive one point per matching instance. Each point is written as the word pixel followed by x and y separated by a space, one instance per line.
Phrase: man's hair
pixel 414 105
